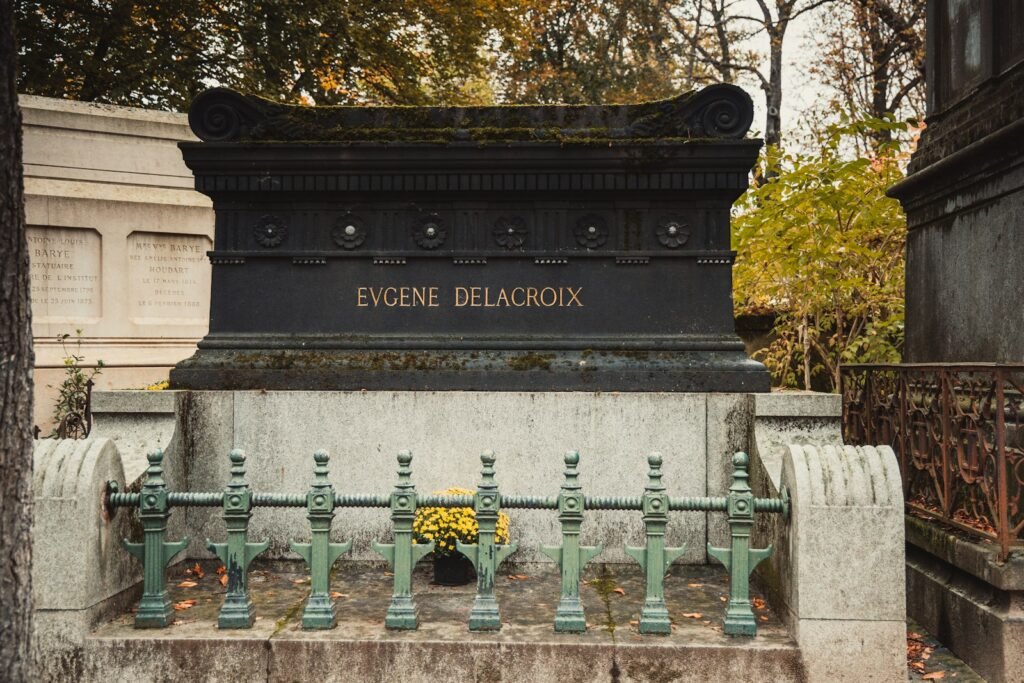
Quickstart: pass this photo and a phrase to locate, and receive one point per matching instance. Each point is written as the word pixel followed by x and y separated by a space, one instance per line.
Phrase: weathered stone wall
pixel 964 201
pixel 117 240
pixel 964 275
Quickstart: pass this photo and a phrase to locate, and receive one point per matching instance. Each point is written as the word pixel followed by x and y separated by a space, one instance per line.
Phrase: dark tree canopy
pixel 159 55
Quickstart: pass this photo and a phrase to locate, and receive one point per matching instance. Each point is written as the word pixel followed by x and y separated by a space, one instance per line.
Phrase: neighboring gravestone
pixel 493 248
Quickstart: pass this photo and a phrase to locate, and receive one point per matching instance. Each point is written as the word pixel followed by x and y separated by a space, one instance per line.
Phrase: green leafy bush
pixel 821 246
pixel 70 415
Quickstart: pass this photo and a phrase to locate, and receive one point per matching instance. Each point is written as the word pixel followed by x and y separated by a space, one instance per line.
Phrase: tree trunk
pixel 16 362
pixel 773 93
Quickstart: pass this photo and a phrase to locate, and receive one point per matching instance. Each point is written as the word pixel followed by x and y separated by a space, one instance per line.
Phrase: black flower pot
pixel 453 570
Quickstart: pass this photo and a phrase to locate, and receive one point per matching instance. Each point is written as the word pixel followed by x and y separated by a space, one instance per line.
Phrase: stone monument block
pixel 481 248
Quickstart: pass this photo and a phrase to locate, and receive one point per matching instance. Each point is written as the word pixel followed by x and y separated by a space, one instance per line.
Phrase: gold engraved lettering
pixel 401 297
pixel 473 297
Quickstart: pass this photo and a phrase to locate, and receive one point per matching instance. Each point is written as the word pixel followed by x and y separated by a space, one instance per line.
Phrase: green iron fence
pixel 154 503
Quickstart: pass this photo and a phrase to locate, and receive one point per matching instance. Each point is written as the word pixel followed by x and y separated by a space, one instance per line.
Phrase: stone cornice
pixel 715 112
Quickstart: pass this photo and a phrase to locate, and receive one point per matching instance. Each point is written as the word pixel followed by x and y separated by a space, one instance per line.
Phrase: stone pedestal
pixel 973 604
pixel 446 432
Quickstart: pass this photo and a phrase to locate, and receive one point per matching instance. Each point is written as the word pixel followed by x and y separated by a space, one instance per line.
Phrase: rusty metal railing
pixel 958 431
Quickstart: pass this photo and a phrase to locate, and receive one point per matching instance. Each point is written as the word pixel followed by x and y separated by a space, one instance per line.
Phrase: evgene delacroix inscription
pixel 474 297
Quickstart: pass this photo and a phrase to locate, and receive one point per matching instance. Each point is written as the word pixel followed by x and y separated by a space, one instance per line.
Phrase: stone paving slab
pixel 928 657
pixel 612 596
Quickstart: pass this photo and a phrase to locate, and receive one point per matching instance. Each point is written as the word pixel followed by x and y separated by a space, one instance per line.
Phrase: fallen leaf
pixel 388 574
pixel 619 590
pixel 934 676
pixel 198 571
pixel 187 584
pixel 299 582
pixel 693 615
pixel 722 598
pixel 184 604
pixel 917 666
pixel 695 585
pixel 763 617
pixel 222 570
pixel 634 622
pixel 223 579
pixel 336 595
pixel 759 603
pixel 522 577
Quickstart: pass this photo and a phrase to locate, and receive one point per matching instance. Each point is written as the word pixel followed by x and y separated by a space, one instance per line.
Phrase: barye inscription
pixel 169 276
pixel 469 297
pixel 65 274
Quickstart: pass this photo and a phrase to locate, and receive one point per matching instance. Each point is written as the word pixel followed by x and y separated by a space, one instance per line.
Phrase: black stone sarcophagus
pixel 488 248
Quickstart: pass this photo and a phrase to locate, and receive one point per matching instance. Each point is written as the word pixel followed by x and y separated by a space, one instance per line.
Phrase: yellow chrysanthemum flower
pixel 444 526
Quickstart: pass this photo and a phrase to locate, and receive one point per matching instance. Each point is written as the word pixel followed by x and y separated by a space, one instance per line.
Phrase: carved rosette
pixel 270 232
pixel 429 232
pixel 591 231
pixel 349 232
pixel 673 233
pixel 510 232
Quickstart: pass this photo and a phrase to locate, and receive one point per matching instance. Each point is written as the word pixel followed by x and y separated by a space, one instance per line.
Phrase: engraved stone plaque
pixel 479 248
pixel 169 278
pixel 66 274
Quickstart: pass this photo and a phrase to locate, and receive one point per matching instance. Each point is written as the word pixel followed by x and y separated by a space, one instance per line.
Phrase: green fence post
pixel 654 557
pixel 740 559
pixel 154 552
pixel 570 556
pixel 403 555
pixel 237 610
pixel 485 554
pixel 320 554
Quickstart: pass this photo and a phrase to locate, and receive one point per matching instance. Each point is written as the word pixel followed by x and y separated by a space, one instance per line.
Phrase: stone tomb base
pixel 697 433
pixel 526 650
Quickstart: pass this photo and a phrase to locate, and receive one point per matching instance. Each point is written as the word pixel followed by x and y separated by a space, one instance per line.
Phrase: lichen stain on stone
pixel 531 361
pixel 290 615
pixel 654 671
pixel 605 584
